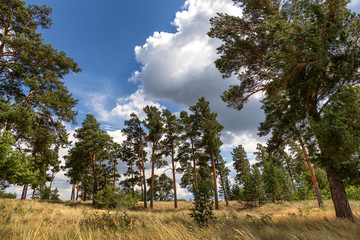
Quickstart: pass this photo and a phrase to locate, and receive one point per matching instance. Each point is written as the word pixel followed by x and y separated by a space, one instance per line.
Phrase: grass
pixel 32 219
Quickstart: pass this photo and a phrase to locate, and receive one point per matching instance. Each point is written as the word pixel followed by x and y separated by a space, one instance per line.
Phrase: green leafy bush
pixel 43 194
pixel 353 192
pixel 113 197
pixel 4 194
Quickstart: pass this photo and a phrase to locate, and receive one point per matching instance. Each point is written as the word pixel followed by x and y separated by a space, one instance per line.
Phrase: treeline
pixel 191 141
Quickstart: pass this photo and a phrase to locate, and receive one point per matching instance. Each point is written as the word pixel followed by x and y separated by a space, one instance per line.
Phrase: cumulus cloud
pixel 133 104
pixel 179 68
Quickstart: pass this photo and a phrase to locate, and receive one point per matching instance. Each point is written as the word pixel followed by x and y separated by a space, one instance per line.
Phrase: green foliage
pixel 43 194
pixel 241 164
pixel 203 211
pixel 14 166
pixel 163 188
pixel 353 192
pixel 4 194
pixel 114 198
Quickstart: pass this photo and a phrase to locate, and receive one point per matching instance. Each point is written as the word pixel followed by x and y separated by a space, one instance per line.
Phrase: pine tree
pixel 304 49
pixel 172 130
pixel 210 138
pixel 240 163
pixel 91 142
pixel 136 135
pixel 154 124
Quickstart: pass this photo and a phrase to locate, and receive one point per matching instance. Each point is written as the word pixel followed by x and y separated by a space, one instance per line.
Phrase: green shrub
pixel 4 194
pixel 353 192
pixel 113 197
pixel 203 211
pixel 43 194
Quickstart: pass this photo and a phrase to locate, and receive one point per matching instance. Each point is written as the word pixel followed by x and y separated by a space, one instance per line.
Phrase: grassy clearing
pixel 33 219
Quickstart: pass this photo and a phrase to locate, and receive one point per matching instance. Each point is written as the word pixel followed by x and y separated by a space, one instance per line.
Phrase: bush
pixel 43 194
pixel 113 197
pixel 353 192
pixel 4 194
pixel 203 211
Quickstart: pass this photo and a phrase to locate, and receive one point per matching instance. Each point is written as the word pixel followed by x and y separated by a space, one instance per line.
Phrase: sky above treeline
pixel 140 52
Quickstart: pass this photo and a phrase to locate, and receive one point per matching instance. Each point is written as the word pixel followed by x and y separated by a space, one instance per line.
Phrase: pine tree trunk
pixel 132 182
pixel 215 183
pixel 312 173
pixel 223 187
pixel 77 190
pixel 83 197
pixel 52 178
pixel 194 163
pixel 290 174
pixel 72 192
pixel 338 195
pixel 95 187
pixel 114 173
pixel 33 195
pixel 174 179
pixel 24 192
pixel 143 168
pixel 141 183
pixel 152 177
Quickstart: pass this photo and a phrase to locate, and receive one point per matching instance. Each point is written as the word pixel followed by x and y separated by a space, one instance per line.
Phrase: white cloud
pixel 133 104
pixel 179 67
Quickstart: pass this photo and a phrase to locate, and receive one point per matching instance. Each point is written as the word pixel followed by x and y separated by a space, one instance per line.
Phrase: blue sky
pixel 139 52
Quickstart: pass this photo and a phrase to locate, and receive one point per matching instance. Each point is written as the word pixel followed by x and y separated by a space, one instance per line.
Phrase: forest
pixel 303 57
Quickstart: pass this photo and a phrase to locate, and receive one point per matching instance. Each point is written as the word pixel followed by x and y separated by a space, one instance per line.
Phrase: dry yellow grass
pixel 32 219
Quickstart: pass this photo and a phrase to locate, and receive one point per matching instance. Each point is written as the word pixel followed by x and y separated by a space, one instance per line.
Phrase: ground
pixel 33 219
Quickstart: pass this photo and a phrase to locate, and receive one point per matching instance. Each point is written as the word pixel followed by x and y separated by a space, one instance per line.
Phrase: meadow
pixel 34 219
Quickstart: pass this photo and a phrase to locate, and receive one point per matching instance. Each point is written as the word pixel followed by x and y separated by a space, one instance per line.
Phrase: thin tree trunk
pixel 312 173
pixel 290 174
pixel 33 195
pixel 223 187
pixel 95 187
pixel 83 197
pixel 215 183
pixel 24 192
pixel 194 163
pixel 114 173
pixel 132 182
pixel 174 179
pixel 143 168
pixel 72 192
pixel 141 183
pixel 338 195
pixel 52 178
pixel 77 190
pixel 152 177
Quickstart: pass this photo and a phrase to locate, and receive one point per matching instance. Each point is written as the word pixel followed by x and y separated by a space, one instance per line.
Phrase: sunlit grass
pixel 32 219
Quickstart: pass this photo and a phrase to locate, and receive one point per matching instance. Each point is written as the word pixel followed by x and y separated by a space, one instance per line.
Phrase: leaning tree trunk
pixel 223 187
pixel 24 192
pixel 215 184
pixel 312 173
pixel 338 195
pixel 52 178
pixel 174 179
